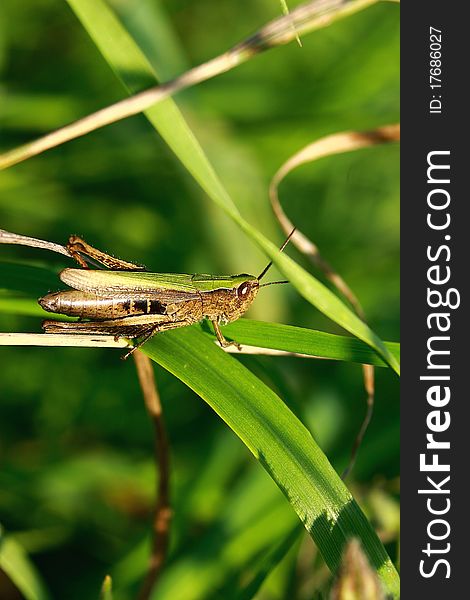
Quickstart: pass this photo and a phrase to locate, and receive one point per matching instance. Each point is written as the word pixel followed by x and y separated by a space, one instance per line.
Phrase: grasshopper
pixel 126 301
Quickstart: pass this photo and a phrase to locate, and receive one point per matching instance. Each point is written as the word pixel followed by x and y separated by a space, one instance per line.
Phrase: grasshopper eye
pixel 243 289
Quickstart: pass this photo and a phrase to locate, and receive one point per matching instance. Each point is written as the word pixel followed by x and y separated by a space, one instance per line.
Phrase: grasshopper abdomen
pixel 89 305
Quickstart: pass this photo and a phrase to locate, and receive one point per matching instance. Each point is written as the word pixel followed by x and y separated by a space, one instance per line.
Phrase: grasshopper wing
pixel 169 287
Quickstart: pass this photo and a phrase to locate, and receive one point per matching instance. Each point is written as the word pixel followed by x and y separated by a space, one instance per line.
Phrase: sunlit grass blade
pixel 300 340
pixel 270 562
pixel 106 589
pixel 279 441
pixel 15 563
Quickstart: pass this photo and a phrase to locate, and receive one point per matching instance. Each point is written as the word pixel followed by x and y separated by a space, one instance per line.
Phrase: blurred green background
pixel 77 476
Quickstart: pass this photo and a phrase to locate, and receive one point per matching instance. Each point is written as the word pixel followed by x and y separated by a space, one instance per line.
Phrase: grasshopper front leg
pixel 220 337
pixel 78 248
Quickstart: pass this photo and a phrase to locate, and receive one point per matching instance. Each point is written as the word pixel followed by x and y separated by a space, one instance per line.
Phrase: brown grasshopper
pixel 126 301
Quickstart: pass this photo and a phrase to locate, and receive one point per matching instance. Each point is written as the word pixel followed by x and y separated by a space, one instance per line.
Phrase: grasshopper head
pixel 237 299
pixel 246 291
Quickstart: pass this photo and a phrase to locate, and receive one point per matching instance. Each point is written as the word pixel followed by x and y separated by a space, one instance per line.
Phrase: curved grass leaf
pixel 16 564
pixel 279 441
pixel 135 71
pixel 269 563
pixel 319 295
pixel 305 341
pixel 106 589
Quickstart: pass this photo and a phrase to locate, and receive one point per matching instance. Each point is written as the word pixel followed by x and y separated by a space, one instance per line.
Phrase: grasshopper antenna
pixel 273 283
pixel 268 266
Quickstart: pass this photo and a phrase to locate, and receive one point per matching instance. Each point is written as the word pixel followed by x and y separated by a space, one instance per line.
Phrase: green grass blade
pixel 279 441
pixel 12 305
pixel 306 341
pixel 285 10
pixel 106 589
pixel 269 563
pixel 17 566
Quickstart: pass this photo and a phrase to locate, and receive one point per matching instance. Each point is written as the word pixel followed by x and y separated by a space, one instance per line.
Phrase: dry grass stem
pixel 260 351
pixel 303 19
pixel 7 237
pixel 327 146
pixel 63 340
pixel 162 512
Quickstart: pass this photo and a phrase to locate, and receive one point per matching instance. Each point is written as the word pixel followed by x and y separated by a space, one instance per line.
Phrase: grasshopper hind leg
pixel 134 328
pixel 144 337
pixel 83 253
pixel 94 327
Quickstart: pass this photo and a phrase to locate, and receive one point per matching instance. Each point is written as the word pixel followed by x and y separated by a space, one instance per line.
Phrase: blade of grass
pixel 319 295
pixel 270 562
pixel 300 340
pixel 285 10
pixel 279 441
pixel 326 146
pixel 17 566
pixel 31 279
pixel 106 592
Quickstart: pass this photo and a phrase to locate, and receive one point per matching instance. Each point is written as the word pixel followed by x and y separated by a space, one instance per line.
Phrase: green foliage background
pixel 77 474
